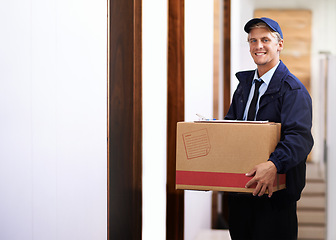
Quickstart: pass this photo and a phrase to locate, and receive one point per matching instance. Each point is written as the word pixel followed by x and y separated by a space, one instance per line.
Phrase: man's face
pixel 264 48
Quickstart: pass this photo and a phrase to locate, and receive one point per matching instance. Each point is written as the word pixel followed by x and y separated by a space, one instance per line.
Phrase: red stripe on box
pixel 215 179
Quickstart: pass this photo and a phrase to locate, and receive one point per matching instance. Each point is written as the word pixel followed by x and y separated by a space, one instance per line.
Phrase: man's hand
pixel 264 175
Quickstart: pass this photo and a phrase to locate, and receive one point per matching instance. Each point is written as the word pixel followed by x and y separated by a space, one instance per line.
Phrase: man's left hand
pixel 264 175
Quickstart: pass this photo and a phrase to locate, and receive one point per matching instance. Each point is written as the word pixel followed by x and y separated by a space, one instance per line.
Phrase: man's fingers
pixel 260 188
pixel 263 176
pixel 251 173
pixel 270 191
pixel 250 183
pixel 262 191
pixel 256 190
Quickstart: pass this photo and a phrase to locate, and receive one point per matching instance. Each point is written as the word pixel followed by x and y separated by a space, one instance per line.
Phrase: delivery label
pixel 196 143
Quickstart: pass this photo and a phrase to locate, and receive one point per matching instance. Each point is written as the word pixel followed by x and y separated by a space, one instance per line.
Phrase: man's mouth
pixel 260 54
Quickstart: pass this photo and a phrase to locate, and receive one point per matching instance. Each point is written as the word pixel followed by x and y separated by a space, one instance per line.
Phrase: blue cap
pixel 271 23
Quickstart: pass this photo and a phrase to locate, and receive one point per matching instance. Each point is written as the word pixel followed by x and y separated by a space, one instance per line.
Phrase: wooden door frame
pixel 175 108
pixel 227 55
pixel 125 118
pixel 226 22
pixel 124 217
pixel 175 113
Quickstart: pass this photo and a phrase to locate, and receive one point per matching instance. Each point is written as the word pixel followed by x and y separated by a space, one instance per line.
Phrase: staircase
pixel 312 205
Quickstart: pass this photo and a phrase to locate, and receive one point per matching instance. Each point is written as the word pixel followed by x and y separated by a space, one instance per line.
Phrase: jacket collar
pixel 277 78
pixel 246 78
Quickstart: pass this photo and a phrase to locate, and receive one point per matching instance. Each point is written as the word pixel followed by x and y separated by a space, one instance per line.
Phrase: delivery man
pixel 273 93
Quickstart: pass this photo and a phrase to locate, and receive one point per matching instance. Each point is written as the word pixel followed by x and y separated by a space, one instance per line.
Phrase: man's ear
pixel 280 45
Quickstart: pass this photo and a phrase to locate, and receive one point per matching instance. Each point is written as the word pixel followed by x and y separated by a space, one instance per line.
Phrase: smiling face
pixel 264 48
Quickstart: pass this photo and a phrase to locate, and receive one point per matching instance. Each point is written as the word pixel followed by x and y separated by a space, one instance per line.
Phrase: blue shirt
pixel 266 78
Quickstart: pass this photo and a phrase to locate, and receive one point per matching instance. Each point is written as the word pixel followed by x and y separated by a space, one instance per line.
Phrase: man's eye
pixel 265 40
pixel 252 41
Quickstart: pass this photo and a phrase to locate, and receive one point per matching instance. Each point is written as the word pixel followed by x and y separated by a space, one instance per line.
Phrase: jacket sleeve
pixel 236 101
pixel 231 115
pixel 296 122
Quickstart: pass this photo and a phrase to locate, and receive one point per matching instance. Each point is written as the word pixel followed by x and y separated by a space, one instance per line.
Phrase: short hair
pixel 275 34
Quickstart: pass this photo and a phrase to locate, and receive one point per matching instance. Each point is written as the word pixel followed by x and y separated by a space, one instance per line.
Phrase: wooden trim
pixel 227 84
pixel 227 55
pixel 214 210
pixel 216 58
pixel 124 120
pixel 216 96
pixel 175 113
pixel 226 105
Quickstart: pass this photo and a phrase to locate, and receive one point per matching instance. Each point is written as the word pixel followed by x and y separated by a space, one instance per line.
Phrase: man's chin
pixel 260 63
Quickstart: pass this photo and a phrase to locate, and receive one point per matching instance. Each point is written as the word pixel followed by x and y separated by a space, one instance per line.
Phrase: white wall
pixel 198 98
pixel 241 12
pixel 154 87
pixel 53 119
pixel 331 152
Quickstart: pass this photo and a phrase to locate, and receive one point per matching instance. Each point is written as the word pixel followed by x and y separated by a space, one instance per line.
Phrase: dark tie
pixel 252 108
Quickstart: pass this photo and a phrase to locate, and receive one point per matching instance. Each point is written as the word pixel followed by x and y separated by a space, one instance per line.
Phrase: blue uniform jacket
pixel 285 101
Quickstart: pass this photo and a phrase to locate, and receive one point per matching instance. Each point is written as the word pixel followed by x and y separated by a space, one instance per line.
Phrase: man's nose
pixel 259 44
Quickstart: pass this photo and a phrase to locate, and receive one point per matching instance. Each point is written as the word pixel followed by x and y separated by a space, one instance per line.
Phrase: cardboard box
pixel 217 155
